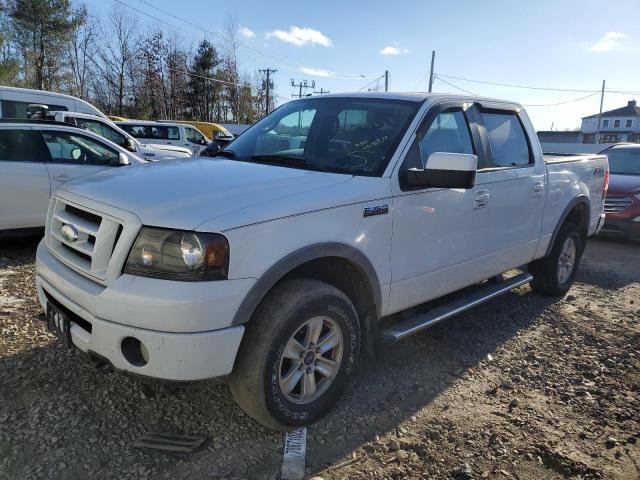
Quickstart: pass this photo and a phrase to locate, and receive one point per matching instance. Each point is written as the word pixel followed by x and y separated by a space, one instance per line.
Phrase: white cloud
pixel 301 36
pixel 610 41
pixel 317 72
pixel 391 50
pixel 246 32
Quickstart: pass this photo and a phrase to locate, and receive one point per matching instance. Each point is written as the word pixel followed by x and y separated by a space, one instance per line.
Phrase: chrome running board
pixel 427 319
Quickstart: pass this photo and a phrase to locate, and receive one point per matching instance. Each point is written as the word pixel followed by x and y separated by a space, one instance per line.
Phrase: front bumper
pixel 622 227
pixel 102 317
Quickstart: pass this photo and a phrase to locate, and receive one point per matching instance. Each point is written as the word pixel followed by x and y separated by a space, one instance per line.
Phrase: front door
pixel 74 155
pixel 441 237
pixel 24 182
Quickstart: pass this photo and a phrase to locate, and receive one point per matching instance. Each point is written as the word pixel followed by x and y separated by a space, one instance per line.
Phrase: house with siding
pixel 618 125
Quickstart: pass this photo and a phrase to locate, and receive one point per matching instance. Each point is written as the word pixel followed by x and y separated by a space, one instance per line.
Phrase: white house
pixel 618 125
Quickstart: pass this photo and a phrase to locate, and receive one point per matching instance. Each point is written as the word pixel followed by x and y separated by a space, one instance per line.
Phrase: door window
pixel 162 132
pixel 22 146
pixel 136 131
pixel 448 133
pixel 101 129
pixel 507 139
pixel 68 147
pixel 15 109
pixel 194 136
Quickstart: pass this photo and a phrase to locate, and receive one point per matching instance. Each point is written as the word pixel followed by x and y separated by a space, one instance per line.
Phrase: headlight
pixel 178 255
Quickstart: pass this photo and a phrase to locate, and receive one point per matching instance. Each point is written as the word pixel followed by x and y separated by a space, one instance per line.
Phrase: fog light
pixel 134 351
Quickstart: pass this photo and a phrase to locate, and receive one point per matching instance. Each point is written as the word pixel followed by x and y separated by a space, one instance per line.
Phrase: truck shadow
pixel 18 250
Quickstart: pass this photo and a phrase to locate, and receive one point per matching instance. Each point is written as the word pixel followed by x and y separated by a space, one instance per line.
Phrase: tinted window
pixel 449 133
pixel 624 162
pixel 507 139
pixel 14 109
pixel 73 148
pixel 22 146
pixel 101 129
pixel 162 132
pixel 136 131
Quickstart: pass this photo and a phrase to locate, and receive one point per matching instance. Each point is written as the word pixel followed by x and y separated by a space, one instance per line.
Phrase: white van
pixel 148 131
pixel 14 102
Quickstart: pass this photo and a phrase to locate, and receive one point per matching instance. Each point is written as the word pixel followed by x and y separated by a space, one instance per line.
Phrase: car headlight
pixel 179 255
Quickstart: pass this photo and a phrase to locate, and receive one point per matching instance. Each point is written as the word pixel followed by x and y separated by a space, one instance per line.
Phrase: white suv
pixel 36 157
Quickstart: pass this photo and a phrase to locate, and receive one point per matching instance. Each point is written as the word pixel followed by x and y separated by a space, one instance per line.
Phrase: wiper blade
pixel 227 153
pixel 286 160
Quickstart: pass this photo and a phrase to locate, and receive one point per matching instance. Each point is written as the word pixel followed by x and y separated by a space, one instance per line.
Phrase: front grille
pixel 97 236
pixel 616 204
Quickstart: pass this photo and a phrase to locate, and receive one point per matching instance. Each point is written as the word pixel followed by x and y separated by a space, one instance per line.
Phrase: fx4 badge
pixel 375 210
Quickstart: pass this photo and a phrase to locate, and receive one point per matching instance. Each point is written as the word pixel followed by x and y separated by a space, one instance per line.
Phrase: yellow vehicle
pixel 115 118
pixel 213 131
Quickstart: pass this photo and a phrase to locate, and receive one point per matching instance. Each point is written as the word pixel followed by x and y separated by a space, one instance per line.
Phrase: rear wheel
pixel 554 274
pixel 297 355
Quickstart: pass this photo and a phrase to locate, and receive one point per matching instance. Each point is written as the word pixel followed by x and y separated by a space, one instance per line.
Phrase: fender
pixel 312 252
pixel 582 198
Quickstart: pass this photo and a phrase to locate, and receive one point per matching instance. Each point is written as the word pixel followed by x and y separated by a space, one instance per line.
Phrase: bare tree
pixel 117 52
pixel 81 56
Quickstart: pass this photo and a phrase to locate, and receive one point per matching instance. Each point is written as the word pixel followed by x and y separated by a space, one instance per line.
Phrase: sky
pixel 344 45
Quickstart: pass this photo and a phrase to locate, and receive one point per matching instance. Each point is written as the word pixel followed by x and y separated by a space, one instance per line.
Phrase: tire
pixel 554 274
pixel 266 368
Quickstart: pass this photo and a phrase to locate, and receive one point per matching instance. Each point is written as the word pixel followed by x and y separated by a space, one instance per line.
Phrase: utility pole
pixel 386 80
pixel 433 60
pixel 267 85
pixel 322 91
pixel 600 114
pixel 303 84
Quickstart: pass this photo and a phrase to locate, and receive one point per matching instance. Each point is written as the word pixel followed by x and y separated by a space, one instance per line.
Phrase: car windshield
pixel 624 162
pixel 356 136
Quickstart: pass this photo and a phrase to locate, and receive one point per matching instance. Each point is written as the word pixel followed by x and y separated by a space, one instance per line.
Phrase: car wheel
pixel 554 274
pixel 297 355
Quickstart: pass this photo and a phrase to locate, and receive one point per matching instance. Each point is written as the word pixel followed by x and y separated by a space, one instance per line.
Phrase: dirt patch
pixel 522 387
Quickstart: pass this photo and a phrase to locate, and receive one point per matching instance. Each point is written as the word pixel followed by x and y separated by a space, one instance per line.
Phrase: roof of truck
pixel 415 96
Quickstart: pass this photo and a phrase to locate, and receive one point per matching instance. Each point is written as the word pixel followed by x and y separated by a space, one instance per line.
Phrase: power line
pixel 299 66
pixel 529 87
pixel 371 82
pixel 437 77
pixel 267 83
pixel 562 103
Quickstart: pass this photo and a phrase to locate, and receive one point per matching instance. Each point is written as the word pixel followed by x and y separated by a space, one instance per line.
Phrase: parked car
pixel 622 204
pixel 36 157
pixel 166 133
pixel 14 102
pixel 274 265
pixel 214 131
pixel 109 130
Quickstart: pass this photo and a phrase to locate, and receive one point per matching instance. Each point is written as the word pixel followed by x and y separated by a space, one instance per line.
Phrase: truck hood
pixel 621 184
pixel 185 193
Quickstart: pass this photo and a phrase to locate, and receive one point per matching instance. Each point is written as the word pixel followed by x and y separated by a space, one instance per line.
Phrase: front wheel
pixel 554 274
pixel 297 355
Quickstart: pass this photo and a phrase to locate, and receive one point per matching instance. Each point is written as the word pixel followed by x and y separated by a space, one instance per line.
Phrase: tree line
pixel 124 68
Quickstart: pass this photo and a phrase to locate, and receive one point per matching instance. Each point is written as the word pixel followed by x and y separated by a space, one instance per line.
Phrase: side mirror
pixel 129 145
pixel 445 170
pixel 123 159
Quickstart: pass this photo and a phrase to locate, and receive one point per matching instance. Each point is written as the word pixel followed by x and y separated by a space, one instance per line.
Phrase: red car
pixel 622 204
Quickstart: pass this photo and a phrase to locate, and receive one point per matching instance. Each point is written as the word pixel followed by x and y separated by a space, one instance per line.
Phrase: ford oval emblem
pixel 69 232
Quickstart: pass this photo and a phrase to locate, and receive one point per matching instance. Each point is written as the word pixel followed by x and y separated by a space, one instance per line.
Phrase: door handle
pixel 538 187
pixel 481 199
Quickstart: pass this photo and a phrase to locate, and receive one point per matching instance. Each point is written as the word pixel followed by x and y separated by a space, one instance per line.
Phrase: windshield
pixel 624 162
pixel 345 135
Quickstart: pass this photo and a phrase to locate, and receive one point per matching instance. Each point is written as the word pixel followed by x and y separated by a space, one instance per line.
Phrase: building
pixel 619 125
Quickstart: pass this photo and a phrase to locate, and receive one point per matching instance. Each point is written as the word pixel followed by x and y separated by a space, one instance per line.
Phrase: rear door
pixel 75 155
pixel 515 186
pixel 195 140
pixel 24 181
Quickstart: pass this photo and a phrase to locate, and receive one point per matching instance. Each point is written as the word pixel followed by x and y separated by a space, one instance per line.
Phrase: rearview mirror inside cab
pixel 445 170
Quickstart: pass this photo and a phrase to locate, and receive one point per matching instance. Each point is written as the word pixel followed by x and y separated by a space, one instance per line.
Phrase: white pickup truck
pixel 275 263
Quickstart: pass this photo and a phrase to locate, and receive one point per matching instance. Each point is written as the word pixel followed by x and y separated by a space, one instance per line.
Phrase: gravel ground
pixel 522 387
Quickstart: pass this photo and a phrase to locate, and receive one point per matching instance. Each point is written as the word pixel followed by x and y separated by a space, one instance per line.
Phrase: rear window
pixel 22 146
pixel 15 109
pixel 508 141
